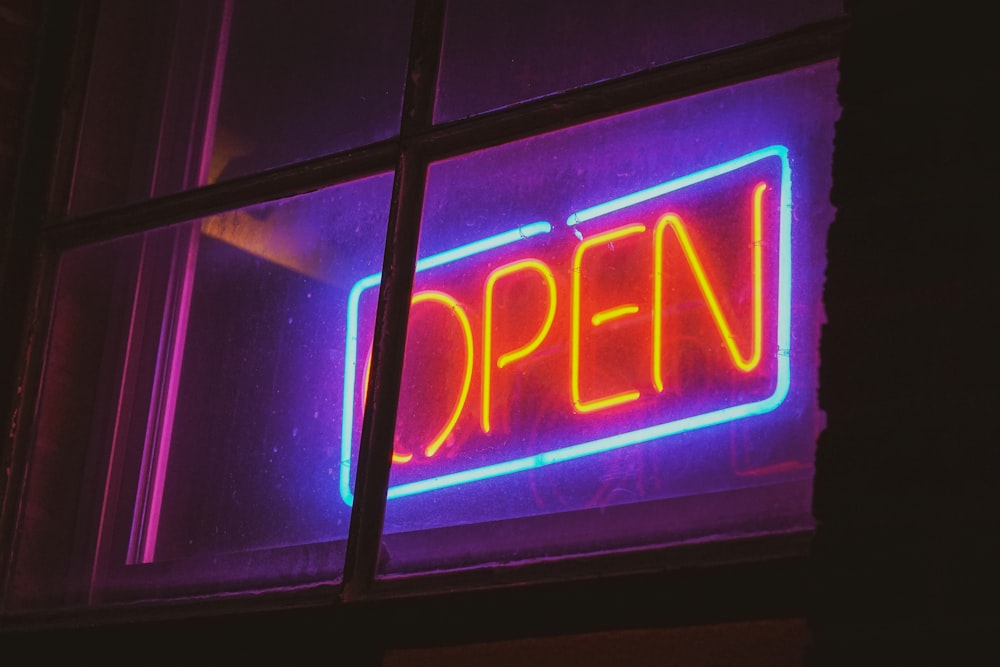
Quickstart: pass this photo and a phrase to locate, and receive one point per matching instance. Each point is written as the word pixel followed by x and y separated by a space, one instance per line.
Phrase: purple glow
pixel 502 53
pixel 159 432
pixel 632 436
pixel 716 436
pixel 234 365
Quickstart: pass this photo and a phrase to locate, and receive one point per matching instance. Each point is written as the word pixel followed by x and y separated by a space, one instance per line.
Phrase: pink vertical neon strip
pixel 212 114
pixel 168 404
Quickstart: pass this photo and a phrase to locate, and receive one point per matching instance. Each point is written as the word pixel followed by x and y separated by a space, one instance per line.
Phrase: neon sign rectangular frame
pixel 602 444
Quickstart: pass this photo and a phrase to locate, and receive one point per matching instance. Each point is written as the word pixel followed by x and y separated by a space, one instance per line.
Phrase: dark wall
pixel 19 21
pixel 906 488
pixel 20 25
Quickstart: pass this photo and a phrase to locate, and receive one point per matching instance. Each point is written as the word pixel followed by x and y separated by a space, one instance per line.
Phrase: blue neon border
pixel 715 417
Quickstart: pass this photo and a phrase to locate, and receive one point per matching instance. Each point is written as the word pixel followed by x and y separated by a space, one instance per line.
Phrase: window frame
pixel 778 560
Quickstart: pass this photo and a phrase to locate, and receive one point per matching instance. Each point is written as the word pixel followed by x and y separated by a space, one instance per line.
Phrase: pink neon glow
pixel 609 276
pixel 172 338
pixel 212 115
pixel 519 353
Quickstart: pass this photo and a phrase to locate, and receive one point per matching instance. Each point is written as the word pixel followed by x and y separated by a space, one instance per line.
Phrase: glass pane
pixel 614 333
pixel 187 93
pixel 190 411
pixel 308 78
pixel 500 53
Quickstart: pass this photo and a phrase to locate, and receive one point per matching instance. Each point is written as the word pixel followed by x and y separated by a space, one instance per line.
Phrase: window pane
pixel 614 333
pixel 187 93
pixel 304 79
pixel 500 53
pixel 190 411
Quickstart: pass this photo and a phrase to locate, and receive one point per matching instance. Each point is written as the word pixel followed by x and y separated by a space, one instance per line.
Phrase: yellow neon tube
pixel 608 401
pixel 672 221
pixel 613 313
pixel 463 320
pixel 526 264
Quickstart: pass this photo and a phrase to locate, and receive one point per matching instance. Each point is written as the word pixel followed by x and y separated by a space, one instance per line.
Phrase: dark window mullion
pixel 240 192
pixel 378 427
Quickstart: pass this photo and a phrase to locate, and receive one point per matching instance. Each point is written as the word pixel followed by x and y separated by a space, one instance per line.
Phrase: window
pixel 625 366
pixel 321 269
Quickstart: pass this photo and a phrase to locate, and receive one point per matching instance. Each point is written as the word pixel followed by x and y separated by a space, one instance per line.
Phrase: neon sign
pixel 658 312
